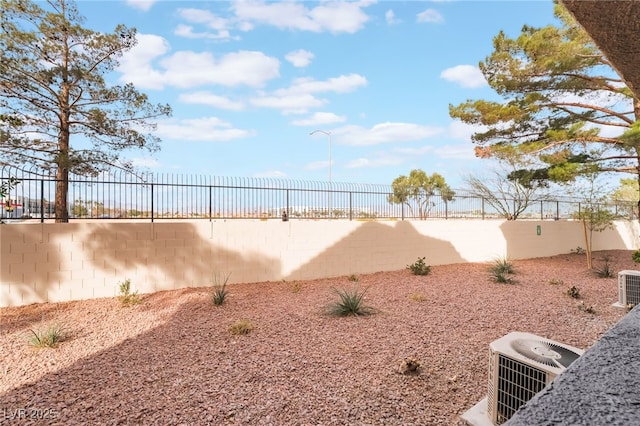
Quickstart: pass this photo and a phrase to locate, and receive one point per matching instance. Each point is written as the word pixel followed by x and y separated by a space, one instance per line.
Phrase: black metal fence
pixel 123 195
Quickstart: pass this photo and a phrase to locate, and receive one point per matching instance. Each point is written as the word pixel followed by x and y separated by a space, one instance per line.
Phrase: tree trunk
pixel 587 244
pixel 62 188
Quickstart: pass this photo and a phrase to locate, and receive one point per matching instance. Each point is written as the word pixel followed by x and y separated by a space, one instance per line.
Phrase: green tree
pixel 558 90
pixel 53 86
pixel 417 189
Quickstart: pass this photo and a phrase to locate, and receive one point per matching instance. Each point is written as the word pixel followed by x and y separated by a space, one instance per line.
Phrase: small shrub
pixel 47 338
pixel 555 281
pixel 605 270
pixel 585 308
pixel 500 271
pixel 241 327
pixel 220 292
pixel 630 306
pixel 417 297
pixel 350 302
pixel 410 366
pixel 636 256
pixel 573 292
pixel 353 278
pixel 127 298
pixel 296 286
pixel 578 250
pixel 419 267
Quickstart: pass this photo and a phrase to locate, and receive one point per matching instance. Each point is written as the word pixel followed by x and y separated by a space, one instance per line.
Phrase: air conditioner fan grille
pixel 544 352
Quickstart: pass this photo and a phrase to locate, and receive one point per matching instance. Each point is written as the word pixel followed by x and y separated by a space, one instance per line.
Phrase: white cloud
pixel 145 162
pixel 210 99
pixel 385 133
pixel 430 15
pixel 206 129
pixel 188 32
pixel 136 64
pixel 299 58
pixel 465 75
pixel 361 163
pixel 320 118
pixel 143 5
pixel 463 131
pixel 289 104
pixel 341 84
pixel 186 69
pixel 221 26
pixel 390 17
pixel 335 17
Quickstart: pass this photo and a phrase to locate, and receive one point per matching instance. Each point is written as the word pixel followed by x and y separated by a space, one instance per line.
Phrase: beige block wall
pixel 58 262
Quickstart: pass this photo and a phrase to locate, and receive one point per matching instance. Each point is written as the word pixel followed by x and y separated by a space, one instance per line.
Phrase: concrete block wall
pixel 59 262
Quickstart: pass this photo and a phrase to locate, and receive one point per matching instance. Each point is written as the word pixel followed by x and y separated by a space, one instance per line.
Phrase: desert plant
pixel 419 267
pixel 573 292
pixel 47 338
pixel 586 308
pixel 578 250
pixel 241 327
pixel 556 281
pixel 410 366
pixel 128 298
pixel 350 302
pixel 636 256
pixel 296 286
pixel 220 292
pixel 501 269
pixel 353 278
pixel 605 270
pixel 418 297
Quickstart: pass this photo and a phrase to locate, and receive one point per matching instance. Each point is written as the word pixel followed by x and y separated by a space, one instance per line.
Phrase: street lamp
pixel 328 134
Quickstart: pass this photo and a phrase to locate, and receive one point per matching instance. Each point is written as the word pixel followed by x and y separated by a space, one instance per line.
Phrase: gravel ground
pixel 172 360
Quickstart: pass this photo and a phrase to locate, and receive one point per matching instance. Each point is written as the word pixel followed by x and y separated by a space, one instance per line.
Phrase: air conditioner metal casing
pixel 628 288
pixel 517 372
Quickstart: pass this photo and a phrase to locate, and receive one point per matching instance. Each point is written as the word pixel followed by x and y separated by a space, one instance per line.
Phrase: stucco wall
pixel 59 262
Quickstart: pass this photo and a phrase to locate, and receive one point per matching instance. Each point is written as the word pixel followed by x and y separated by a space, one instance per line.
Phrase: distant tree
pixel 53 87
pixel 417 189
pixel 558 90
pixel 627 193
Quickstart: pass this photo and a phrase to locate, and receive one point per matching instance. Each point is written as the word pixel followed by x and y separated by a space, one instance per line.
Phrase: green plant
pixel 636 256
pixel 241 327
pixel 573 292
pixel 220 292
pixel 419 267
pixel 353 278
pixel 605 270
pixel 578 250
pixel 350 302
pixel 128 298
pixel 47 338
pixel 556 281
pixel 501 269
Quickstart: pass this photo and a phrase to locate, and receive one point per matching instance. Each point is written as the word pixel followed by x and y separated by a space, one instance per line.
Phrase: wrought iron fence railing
pixel 122 195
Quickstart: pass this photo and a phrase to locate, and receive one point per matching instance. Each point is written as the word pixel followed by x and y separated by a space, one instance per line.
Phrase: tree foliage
pixel 53 88
pixel 416 191
pixel 558 91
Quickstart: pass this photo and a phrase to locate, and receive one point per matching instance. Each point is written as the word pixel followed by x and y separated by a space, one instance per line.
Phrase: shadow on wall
pixel 375 247
pixel 169 256
pixel 30 269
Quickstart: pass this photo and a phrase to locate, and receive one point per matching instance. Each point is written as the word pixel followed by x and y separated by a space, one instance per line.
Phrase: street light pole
pixel 328 134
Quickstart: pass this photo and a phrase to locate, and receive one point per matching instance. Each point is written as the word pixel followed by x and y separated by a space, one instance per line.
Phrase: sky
pixel 249 81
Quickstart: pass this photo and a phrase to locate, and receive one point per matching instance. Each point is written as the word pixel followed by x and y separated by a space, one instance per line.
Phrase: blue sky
pixel 248 81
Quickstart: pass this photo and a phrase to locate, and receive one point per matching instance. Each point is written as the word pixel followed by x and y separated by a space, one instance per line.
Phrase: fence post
pixel 557 210
pixel 446 209
pixel 402 209
pixel 350 205
pixel 288 212
pixel 210 202
pixel 482 208
pixel 541 210
pixel 152 202
pixel 41 200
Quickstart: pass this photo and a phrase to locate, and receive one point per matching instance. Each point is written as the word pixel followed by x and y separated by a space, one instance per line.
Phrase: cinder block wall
pixel 60 262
